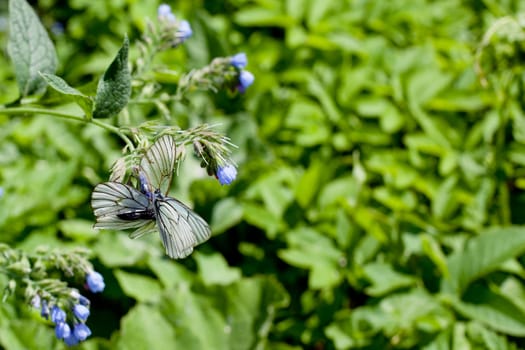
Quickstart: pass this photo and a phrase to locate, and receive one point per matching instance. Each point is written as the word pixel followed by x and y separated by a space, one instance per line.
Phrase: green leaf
pixel 308 184
pixel 214 269
pixel 117 249
pixel 29 48
pixel 168 272
pixel 60 85
pixel 493 310
pixel 78 229
pixel 483 254
pixel 144 327
pixel 140 287
pixel 385 279
pixel 445 202
pixel 114 88
pixel 311 250
pixel 492 340
pixel 226 214
pixel 258 16
pixel 234 317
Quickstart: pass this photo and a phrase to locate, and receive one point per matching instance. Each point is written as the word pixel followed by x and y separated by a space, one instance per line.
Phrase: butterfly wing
pixel 119 206
pixel 180 228
pixel 158 164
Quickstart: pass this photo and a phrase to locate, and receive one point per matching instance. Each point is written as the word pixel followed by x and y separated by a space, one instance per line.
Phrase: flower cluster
pixel 70 311
pixel 214 152
pixel 39 277
pixel 173 31
pixel 246 78
pixel 222 72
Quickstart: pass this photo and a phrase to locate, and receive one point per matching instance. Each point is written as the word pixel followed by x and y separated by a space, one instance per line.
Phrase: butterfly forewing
pixel 159 162
pixel 180 228
pixel 119 206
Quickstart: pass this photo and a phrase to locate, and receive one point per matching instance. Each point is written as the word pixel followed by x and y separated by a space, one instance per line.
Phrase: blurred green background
pixel 380 190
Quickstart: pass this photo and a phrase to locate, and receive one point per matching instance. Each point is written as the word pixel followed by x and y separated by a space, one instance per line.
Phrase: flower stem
pixel 78 118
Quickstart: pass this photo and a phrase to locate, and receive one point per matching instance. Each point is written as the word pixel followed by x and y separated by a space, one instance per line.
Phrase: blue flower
pixel 1 192
pixel 164 13
pixel 239 60
pixel 184 30
pixel 164 10
pixel 57 29
pixel 81 312
pixel 62 330
pixel 245 80
pixel 35 301
pixel 226 174
pixel 58 315
pixel 81 331
pixel 44 312
pixel 83 300
pixel 71 340
pixel 95 282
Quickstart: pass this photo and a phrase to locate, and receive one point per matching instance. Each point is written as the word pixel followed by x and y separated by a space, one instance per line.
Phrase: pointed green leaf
pixel 140 287
pixel 226 214
pixel 482 255
pixel 114 88
pixel 29 48
pixel 237 316
pixel 60 85
pixel 385 279
pixel 493 310
pixel 144 327
pixel 214 269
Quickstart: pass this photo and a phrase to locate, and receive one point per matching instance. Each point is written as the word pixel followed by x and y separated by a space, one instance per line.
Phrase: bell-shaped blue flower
pixel 81 312
pixel 81 331
pixel 58 315
pixel 44 312
pixel 62 330
pixel 226 174
pixel 95 282
pixel 239 60
pixel 71 340
pixel 245 80
pixel 184 31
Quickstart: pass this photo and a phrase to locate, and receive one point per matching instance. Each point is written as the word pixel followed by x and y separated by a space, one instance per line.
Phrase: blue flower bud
pixel 184 30
pixel 95 282
pixel 83 300
pixel 163 10
pixel 35 301
pixel 239 60
pixel 245 80
pixel 57 315
pixel 71 340
pixel 81 312
pixel 44 312
pixel 226 174
pixel 62 330
pixel 81 331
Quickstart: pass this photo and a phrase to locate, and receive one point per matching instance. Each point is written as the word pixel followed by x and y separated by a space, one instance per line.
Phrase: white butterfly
pixel 120 206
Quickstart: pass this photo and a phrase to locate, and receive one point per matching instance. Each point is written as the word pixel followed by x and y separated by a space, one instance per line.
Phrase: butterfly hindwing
pixel 180 228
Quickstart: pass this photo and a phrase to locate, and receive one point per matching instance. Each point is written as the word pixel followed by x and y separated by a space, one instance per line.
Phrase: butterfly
pixel 148 208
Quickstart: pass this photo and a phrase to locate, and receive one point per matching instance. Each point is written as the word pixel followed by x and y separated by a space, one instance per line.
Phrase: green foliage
pixel 114 88
pixel 380 200
pixel 30 48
